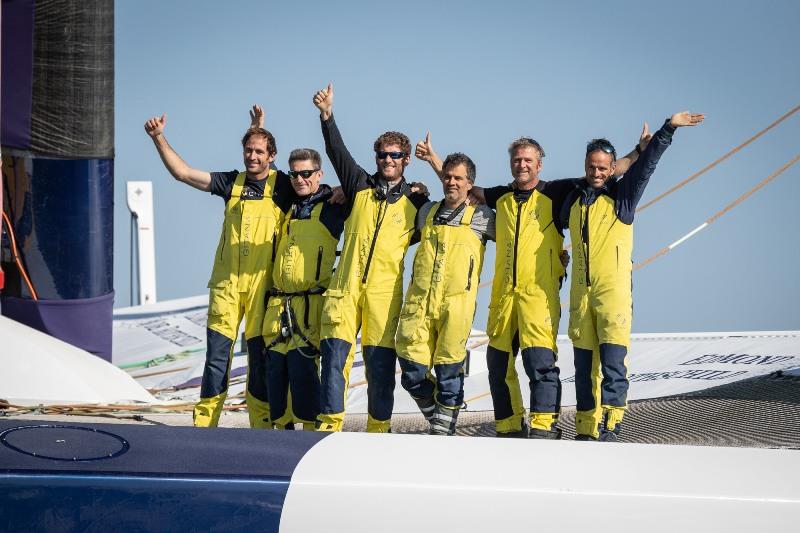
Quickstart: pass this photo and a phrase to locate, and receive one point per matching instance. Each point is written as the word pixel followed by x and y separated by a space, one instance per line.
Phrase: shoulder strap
pixel 466 218
pixel 316 211
pixel 238 185
pixel 432 213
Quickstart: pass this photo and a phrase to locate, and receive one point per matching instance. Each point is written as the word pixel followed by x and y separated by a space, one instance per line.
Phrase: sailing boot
pixel 444 420
pixel 554 433
pixel 426 407
pixel 611 425
pixel 522 433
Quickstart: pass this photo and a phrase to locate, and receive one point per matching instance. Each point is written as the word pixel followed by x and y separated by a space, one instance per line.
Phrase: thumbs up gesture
pixel 424 149
pixel 323 99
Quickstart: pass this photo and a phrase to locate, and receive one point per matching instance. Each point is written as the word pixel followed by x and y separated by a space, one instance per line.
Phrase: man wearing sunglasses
pixel 255 203
pixel 303 268
pixel 599 212
pixel 439 306
pixel 367 288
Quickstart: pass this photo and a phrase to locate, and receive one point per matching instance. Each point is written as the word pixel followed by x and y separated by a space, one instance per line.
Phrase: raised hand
pixel 424 149
pixel 564 255
pixel 476 196
pixel 337 196
pixel 644 138
pixel 419 187
pixel 685 118
pixel 257 117
pixel 323 99
pixel 155 126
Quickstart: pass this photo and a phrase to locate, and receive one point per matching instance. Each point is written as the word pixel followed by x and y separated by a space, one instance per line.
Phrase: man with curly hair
pixel 366 291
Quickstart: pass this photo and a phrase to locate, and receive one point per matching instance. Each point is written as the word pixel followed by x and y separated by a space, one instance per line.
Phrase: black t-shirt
pixel 283 195
pixel 556 190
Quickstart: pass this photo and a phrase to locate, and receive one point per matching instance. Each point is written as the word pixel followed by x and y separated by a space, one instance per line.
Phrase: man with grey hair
pixel 439 306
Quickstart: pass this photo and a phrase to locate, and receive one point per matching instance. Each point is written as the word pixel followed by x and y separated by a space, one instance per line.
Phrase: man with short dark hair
pixel 439 306
pixel 599 212
pixel 255 203
pixel 367 288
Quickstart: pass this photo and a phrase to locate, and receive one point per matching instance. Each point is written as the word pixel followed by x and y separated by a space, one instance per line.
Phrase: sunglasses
pixel 603 148
pixel 394 155
pixel 294 174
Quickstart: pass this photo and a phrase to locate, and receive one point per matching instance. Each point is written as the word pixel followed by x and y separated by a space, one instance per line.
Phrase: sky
pixel 478 75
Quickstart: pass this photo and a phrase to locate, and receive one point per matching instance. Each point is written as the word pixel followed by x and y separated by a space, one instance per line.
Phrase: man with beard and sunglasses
pixel 599 212
pixel 366 291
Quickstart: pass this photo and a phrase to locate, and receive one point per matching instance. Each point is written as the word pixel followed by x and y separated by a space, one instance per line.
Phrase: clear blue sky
pixel 478 75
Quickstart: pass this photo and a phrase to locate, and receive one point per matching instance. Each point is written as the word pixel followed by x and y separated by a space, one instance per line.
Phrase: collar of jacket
pixel 382 190
pixel 301 209
pixel 589 194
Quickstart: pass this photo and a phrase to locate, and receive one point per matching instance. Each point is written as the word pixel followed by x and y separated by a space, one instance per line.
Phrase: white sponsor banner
pixel 163 347
pixel 658 365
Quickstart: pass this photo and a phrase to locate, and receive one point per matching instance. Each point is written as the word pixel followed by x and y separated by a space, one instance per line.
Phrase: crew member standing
pixel 599 212
pixel 255 203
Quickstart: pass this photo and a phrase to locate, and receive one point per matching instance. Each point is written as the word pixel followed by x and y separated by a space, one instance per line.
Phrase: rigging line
pixel 17 259
pixel 719 160
pixel 702 170
pixel 717 215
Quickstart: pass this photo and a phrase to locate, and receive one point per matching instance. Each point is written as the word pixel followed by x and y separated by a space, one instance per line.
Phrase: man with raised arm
pixel 255 203
pixel 599 212
pixel 367 288
pixel 525 308
pixel 439 306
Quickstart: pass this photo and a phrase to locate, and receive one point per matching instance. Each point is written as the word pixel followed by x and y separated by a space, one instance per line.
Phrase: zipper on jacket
pixel 222 249
pixel 469 274
pixel 585 239
pixel 516 243
pixel 433 268
pixel 319 262
pixel 381 216
pixel 274 245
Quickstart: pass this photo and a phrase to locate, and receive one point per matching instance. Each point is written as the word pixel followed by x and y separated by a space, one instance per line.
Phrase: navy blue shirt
pixel 626 191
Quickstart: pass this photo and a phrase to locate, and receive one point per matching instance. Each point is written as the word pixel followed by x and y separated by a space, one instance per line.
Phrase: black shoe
pixel 584 437
pixel 608 436
pixel 551 434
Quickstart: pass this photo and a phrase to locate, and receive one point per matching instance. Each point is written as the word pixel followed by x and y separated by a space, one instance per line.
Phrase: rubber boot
pixel 444 420
pixel 426 407
pixel 522 433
